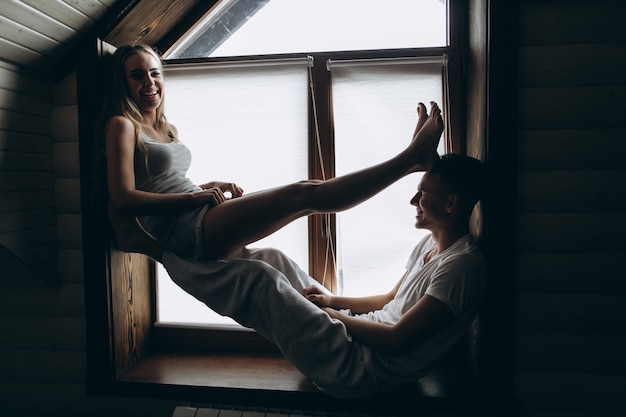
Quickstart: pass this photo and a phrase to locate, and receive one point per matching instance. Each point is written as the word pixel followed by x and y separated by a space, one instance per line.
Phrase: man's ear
pixel 453 203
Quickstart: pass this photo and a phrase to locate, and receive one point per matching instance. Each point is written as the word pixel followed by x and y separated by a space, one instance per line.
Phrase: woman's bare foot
pixel 422 115
pixel 426 137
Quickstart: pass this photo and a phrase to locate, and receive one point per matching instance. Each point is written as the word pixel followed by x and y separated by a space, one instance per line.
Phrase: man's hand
pixel 317 296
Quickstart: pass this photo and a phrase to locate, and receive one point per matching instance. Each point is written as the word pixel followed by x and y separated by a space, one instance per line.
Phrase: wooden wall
pixel 42 327
pixel 570 284
pixel 571 287
pixel 28 217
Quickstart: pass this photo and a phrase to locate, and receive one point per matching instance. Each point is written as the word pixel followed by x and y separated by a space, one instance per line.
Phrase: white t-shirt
pixel 456 277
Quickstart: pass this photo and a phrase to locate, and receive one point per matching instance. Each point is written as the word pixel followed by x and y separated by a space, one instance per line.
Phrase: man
pixel 436 300
pixel 394 321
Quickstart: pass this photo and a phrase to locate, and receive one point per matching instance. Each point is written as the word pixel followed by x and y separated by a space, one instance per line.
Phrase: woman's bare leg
pixel 237 222
pixel 129 236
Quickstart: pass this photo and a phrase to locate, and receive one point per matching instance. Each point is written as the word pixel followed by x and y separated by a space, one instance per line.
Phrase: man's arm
pixel 426 317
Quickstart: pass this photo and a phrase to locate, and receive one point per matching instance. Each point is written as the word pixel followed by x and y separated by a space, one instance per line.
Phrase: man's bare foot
pixel 426 137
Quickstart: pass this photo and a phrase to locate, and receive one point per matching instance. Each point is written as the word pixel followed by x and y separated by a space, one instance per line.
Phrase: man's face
pixel 431 202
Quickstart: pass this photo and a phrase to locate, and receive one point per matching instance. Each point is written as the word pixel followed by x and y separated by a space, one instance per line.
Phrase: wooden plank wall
pixel 571 287
pixel 42 327
pixel 27 212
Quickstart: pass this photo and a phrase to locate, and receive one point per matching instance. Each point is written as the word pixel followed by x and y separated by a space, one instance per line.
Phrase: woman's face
pixel 144 81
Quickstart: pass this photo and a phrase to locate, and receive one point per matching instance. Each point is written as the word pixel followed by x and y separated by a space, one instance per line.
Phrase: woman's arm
pixel 124 197
pixel 357 305
pixel 426 317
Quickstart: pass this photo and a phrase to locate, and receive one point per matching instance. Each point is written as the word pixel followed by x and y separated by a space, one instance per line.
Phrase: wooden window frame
pixel 127 357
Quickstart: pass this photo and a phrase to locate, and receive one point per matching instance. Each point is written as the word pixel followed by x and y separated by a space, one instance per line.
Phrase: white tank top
pixel 165 169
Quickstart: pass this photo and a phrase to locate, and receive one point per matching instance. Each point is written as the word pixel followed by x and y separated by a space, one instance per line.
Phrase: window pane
pixel 248 125
pixel 375 115
pixel 259 27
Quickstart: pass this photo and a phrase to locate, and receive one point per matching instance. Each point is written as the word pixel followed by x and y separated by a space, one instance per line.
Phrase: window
pixel 127 355
pixel 263 27
pixel 245 123
pixel 229 111
pixel 374 117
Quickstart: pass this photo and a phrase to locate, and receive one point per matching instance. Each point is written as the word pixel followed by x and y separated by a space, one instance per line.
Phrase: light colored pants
pixel 260 289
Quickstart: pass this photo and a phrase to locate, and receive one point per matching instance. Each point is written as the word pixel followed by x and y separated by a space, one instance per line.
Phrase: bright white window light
pixel 374 108
pixel 247 125
pixel 262 27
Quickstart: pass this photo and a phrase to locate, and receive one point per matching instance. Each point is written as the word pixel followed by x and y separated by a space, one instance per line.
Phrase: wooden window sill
pixel 266 379
pixel 220 370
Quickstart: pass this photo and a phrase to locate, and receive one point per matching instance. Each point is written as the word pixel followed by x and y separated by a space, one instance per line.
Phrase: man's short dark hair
pixel 463 174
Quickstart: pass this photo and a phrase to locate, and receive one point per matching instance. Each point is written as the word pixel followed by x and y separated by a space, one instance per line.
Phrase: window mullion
pixel 322 234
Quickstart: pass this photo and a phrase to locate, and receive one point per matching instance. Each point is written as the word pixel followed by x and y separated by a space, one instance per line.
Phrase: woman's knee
pixel 303 193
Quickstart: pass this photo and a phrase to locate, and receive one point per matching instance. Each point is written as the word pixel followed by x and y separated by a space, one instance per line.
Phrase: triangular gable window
pixel 262 27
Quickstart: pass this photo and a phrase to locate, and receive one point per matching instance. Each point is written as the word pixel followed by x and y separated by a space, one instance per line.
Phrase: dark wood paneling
pixel 67 300
pixel 571 352
pixel 25 103
pixel 571 313
pixel 26 220
pixel 572 191
pixel 25 123
pixel 572 65
pixel 64 400
pixel 572 232
pixel 569 22
pixel 25 142
pixel 42 332
pixel 149 21
pixel 130 307
pixel 60 366
pixel 599 107
pixel 25 200
pixel 22 81
pixel 573 149
pixel 573 394
pixel 587 273
pixel 20 161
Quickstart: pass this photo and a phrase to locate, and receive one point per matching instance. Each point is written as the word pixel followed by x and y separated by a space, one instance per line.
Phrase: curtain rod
pixel 308 60
pixel 442 60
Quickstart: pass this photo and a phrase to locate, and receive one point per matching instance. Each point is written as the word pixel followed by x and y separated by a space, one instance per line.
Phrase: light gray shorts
pixel 180 233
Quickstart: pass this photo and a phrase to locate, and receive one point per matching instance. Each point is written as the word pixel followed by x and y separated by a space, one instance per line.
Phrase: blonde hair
pixel 117 102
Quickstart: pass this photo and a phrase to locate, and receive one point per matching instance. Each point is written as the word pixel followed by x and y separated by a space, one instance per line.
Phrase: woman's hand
pixel 225 187
pixel 214 193
pixel 317 296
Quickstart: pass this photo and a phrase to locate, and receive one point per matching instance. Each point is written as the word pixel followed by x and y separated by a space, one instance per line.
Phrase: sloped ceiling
pixel 45 35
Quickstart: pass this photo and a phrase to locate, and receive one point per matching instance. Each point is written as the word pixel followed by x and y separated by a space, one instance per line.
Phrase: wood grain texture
pixel 131 307
pixel 150 20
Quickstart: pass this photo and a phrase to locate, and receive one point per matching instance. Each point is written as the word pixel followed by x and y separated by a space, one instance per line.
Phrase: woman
pixel 146 166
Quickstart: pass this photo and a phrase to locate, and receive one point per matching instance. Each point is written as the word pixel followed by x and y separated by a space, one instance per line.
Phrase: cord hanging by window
pixel 326 229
